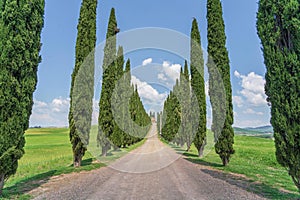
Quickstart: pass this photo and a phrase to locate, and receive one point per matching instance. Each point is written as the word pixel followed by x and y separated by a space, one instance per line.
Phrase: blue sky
pixel 59 36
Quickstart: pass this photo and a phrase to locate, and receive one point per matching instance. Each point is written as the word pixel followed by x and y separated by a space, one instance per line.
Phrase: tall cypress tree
pixel 186 133
pixel 105 120
pixel 21 23
pixel 117 136
pixel 127 89
pixel 198 86
pixel 82 85
pixel 278 27
pixel 219 54
pixel 172 116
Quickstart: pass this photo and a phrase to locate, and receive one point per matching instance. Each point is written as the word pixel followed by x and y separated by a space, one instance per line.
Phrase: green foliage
pixel 186 133
pixel 106 122
pixel 171 116
pixel 139 116
pixel 158 121
pixel 278 27
pixel 48 153
pixel 117 136
pixel 198 86
pixel 82 85
pixel 219 56
pixel 21 23
pixel 120 102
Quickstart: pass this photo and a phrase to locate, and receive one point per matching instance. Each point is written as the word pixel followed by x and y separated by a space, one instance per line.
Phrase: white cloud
pixel 161 77
pixel 54 113
pixel 251 111
pixel 237 74
pixel 169 73
pixel 253 88
pixel 147 61
pixel 60 105
pixel 206 88
pixel 250 123
pixel 237 100
pixel 150 96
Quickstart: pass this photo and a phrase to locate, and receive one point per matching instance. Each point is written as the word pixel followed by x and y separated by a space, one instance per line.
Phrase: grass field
pixel 256 164
pixel 48 153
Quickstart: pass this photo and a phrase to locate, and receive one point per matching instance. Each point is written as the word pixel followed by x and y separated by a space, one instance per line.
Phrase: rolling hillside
pixel 263 131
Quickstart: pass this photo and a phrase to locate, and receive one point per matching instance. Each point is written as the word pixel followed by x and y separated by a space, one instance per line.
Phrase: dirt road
pixel 153 171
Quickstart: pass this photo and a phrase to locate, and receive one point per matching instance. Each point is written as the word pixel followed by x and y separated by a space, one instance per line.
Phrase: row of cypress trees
pixel 21 23
pixel 184 115
pixel 117 92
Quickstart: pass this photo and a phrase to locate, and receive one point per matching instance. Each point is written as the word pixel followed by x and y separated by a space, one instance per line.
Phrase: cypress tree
pixel 218 53
pixel 105 120
pixel 186 134
pixel 158 119
pixel 21 23
pixel 82 85
pixel 139 116
pixel 198 86
pixel 278 24
pixel 117 136
pixel 125 100
pixel 172 116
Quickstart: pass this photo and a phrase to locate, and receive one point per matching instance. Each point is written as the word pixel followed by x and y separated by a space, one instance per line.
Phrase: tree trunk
pixel 104 151
pixel 201 151
pixel 188 148
pixel 297 182
pixel 225 161
pixel 77 160
pixel 188 144
pixel 1 183
pixel 116 148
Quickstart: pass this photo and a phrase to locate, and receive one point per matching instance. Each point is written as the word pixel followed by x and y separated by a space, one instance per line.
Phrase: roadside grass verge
pixel 253 167
pixel 48 153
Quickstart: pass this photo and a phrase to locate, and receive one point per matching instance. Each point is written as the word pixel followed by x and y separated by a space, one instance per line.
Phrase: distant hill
pixel 263 131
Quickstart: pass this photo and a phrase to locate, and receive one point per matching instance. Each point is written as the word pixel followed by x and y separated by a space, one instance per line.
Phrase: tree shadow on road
pixel 27 185
pixel 258 188
pixel 200 162
pixel 240 181
pixel 23 187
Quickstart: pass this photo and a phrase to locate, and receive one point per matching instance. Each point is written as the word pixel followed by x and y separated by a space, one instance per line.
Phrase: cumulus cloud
pixel 151 97
pixel 169 73
pixel 147 61
pixel 162 77
pixel 54 113
pixel 251 111
pixel 237 100
pixel 252 88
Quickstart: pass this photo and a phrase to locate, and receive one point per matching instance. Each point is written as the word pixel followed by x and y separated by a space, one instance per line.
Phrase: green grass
pixel 48 153
pixel 255 159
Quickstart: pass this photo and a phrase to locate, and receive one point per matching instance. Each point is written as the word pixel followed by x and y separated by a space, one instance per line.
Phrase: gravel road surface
pixel 153 171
